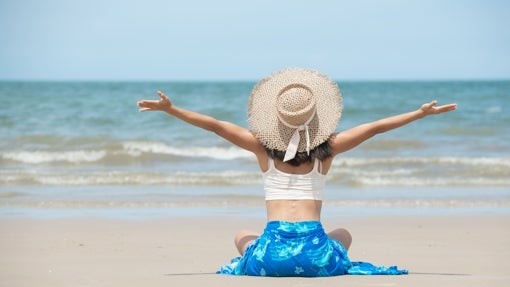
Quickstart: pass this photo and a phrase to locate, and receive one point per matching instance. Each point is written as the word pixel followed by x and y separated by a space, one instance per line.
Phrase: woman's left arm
pixel 351 138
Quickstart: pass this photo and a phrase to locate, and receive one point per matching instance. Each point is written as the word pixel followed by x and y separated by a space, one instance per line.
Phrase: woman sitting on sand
pixel 292 115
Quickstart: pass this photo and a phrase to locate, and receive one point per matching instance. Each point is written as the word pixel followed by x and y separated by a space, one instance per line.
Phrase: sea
pixel 83 148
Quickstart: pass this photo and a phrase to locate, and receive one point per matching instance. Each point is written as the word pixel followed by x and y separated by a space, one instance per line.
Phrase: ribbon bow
pixel 296 138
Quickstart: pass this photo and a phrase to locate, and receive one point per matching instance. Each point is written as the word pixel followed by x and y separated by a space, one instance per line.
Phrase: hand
pixel 164 104
pixel 431 109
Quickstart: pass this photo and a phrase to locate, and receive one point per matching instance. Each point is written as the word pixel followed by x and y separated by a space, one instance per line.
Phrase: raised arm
pixel 351 138
pixel 231 132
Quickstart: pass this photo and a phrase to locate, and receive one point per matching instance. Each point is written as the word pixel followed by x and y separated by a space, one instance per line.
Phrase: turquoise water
pixel 69 142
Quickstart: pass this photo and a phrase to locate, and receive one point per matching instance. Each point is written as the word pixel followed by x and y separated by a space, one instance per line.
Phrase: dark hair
pixel 320 152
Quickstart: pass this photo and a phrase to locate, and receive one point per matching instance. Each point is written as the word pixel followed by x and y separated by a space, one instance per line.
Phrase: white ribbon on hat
pixel 296 138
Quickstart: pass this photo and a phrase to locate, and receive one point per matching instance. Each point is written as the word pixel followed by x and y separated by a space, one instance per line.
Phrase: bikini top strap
pixel 270 163
pixel 317 165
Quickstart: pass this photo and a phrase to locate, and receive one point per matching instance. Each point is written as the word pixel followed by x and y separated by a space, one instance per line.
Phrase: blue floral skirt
pixel 299 249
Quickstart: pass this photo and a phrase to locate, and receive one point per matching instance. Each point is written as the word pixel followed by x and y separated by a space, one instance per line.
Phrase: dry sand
pixel 439 250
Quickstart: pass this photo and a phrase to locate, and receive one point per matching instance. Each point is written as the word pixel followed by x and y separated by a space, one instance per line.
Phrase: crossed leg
pixel 341 235
pixel 244 238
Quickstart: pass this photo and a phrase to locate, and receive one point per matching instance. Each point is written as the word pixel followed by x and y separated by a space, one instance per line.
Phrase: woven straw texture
pixel 291 93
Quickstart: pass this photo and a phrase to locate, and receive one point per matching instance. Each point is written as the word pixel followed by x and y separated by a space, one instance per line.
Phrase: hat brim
pixel 262 114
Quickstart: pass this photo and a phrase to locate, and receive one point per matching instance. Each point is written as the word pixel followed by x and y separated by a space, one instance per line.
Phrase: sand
pixel 439 250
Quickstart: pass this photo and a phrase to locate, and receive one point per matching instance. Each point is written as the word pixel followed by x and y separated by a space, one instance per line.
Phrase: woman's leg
pixel 244 238
pixel 341 235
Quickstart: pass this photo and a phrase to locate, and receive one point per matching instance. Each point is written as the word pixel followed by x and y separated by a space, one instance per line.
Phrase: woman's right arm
pixel 229 131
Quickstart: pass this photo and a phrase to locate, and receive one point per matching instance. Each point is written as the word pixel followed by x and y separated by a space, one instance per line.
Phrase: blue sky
pixel 245 40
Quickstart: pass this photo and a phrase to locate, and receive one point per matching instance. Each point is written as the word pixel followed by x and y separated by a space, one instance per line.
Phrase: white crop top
pixel 286 186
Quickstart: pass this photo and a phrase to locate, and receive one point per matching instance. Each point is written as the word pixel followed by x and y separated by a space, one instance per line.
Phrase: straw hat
pixel 294 110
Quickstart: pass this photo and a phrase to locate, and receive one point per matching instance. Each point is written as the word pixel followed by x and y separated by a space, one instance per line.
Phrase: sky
pixel 246 40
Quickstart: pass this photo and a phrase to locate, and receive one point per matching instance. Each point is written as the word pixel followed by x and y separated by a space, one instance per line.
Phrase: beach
pixel 186 250
pixel 94 193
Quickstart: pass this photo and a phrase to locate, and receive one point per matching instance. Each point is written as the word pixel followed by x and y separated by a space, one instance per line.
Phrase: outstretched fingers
pixel 446 108
pixel 431 108
pixel 146 105
pixel 155 105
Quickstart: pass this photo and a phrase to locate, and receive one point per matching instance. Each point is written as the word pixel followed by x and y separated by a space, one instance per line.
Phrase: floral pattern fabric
pixel 299 249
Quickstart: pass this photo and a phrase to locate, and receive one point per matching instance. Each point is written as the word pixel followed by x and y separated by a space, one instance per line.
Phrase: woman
pixel 292 116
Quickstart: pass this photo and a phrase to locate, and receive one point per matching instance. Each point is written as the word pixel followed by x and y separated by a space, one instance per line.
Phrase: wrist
pixel 420 113
pixel 169 109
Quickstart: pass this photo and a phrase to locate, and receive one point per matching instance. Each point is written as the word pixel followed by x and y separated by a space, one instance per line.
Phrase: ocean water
pixel 85 145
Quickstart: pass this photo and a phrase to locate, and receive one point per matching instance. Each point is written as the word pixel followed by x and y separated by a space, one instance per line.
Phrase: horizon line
pixel 205 80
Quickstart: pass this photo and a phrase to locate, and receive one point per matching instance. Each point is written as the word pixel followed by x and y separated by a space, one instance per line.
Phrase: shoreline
pixel 248 212
pixel 156 200
pixel 440 250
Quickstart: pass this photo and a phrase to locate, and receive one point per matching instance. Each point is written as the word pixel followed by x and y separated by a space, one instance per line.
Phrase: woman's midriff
pixel 293 210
